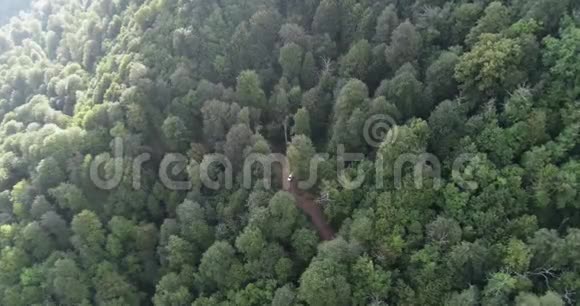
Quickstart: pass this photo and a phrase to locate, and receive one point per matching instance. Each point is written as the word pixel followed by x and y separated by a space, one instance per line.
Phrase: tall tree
pixel 404 47
pixel 386 24
pixel 300 154
pixel 219 266
pixel 302 123
pixel 249 90
pixel 291 60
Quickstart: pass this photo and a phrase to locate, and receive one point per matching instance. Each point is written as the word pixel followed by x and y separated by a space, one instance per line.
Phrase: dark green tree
pixel 302 123
pixel 404 47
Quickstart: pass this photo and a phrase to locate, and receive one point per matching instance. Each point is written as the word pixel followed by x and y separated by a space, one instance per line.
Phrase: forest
pixel 481 98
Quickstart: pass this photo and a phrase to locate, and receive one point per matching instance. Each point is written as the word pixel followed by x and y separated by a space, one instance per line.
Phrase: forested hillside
pixel 481 99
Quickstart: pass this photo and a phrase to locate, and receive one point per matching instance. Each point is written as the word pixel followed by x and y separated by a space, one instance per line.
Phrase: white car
pixel 290 177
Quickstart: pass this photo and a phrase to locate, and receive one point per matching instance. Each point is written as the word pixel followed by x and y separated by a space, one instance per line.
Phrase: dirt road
pixel 307 202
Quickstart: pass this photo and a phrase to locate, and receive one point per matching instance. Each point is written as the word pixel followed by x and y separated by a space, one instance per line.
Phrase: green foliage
pixel 324 283
pixel 411 139
pixel 49 174
pixel 304 242
pixel 444 231
pixel 408 93
pixel 496 18
pixel 447 123
pixel 69 283
pixel 493 64
pixel 175 131
pixel 251 242
pixel 291 60
pixel 308 72
pixel 560 56
pixel 440 78
pixel 370 282
pixel 517 256
pixel 325 20
pixel 355 63
pixel 468 297
pixel 404 47
pixel 547 12
pixel 69 197
pixel 88 237
pixel 470 200
pixel 284 296
pixel 171 290
pixel 283 215
pixel 300 154
pixel 249 90
pixel 219 266
pixel 302 123
pixel 386 24
pixel 237 140
pixel 349 112
pixel 351 96
pixel 465 17
pixel 144 17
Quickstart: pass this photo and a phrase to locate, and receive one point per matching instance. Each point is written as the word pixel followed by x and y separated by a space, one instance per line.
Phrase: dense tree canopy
pixel 126 127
